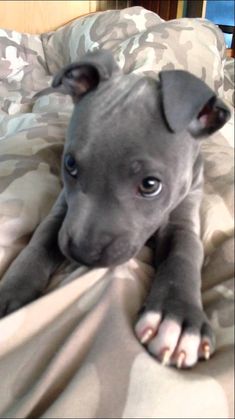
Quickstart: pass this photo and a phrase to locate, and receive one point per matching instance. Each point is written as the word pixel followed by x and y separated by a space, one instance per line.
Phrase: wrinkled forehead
pixel 124 109
pixel 129 91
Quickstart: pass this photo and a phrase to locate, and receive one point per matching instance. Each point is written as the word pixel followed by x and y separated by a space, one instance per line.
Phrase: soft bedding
pixel 73 353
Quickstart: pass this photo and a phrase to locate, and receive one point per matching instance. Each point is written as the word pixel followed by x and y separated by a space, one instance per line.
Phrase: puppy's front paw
pixel 8 302
pixel 17 291
pixel 179 335
pixel 11 299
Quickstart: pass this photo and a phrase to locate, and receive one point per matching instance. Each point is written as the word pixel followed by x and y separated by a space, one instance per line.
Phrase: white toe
pixel 166 338
pixel 148 323
pixel 188 345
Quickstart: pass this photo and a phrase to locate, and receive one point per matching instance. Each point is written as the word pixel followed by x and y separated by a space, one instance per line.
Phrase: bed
pixel 73 353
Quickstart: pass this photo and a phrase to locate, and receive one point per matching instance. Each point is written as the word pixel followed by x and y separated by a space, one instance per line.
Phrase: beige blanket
pixel 73 352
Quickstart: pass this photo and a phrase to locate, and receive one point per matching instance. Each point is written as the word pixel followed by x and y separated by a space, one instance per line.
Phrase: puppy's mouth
pixel 108 257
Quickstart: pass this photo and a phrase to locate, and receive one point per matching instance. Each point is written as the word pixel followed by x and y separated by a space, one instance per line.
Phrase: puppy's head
pixel 129 155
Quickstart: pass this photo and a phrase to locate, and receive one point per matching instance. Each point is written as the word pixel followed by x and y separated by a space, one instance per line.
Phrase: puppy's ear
pixel 188 103
pixel 84 75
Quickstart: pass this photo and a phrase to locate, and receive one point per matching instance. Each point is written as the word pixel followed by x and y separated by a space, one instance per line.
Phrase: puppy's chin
pixel 103 262
pixel 112 261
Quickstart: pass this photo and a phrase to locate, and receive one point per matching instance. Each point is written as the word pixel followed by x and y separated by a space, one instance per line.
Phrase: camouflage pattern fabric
pixel 229 80
pixel 73 353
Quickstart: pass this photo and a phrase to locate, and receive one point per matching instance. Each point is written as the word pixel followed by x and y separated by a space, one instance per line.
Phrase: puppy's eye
pixel 70 165
pixel 150 187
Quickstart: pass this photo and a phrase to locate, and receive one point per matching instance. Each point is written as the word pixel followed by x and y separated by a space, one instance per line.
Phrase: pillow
pixel 23 70
pixel 142 42
pixel 229 81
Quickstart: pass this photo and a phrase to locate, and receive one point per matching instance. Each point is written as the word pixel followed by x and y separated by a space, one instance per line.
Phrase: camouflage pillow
pixel 23 70
pixel 229 81
pixel 142 42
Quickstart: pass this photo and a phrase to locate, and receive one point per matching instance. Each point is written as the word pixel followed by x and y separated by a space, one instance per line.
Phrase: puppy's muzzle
pixel 108 251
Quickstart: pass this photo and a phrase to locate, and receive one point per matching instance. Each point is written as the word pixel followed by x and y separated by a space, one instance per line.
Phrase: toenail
pixel 147 335
pixel 166 355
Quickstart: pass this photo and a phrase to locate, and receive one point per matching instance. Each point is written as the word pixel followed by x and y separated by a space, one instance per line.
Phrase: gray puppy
pixel 132 172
